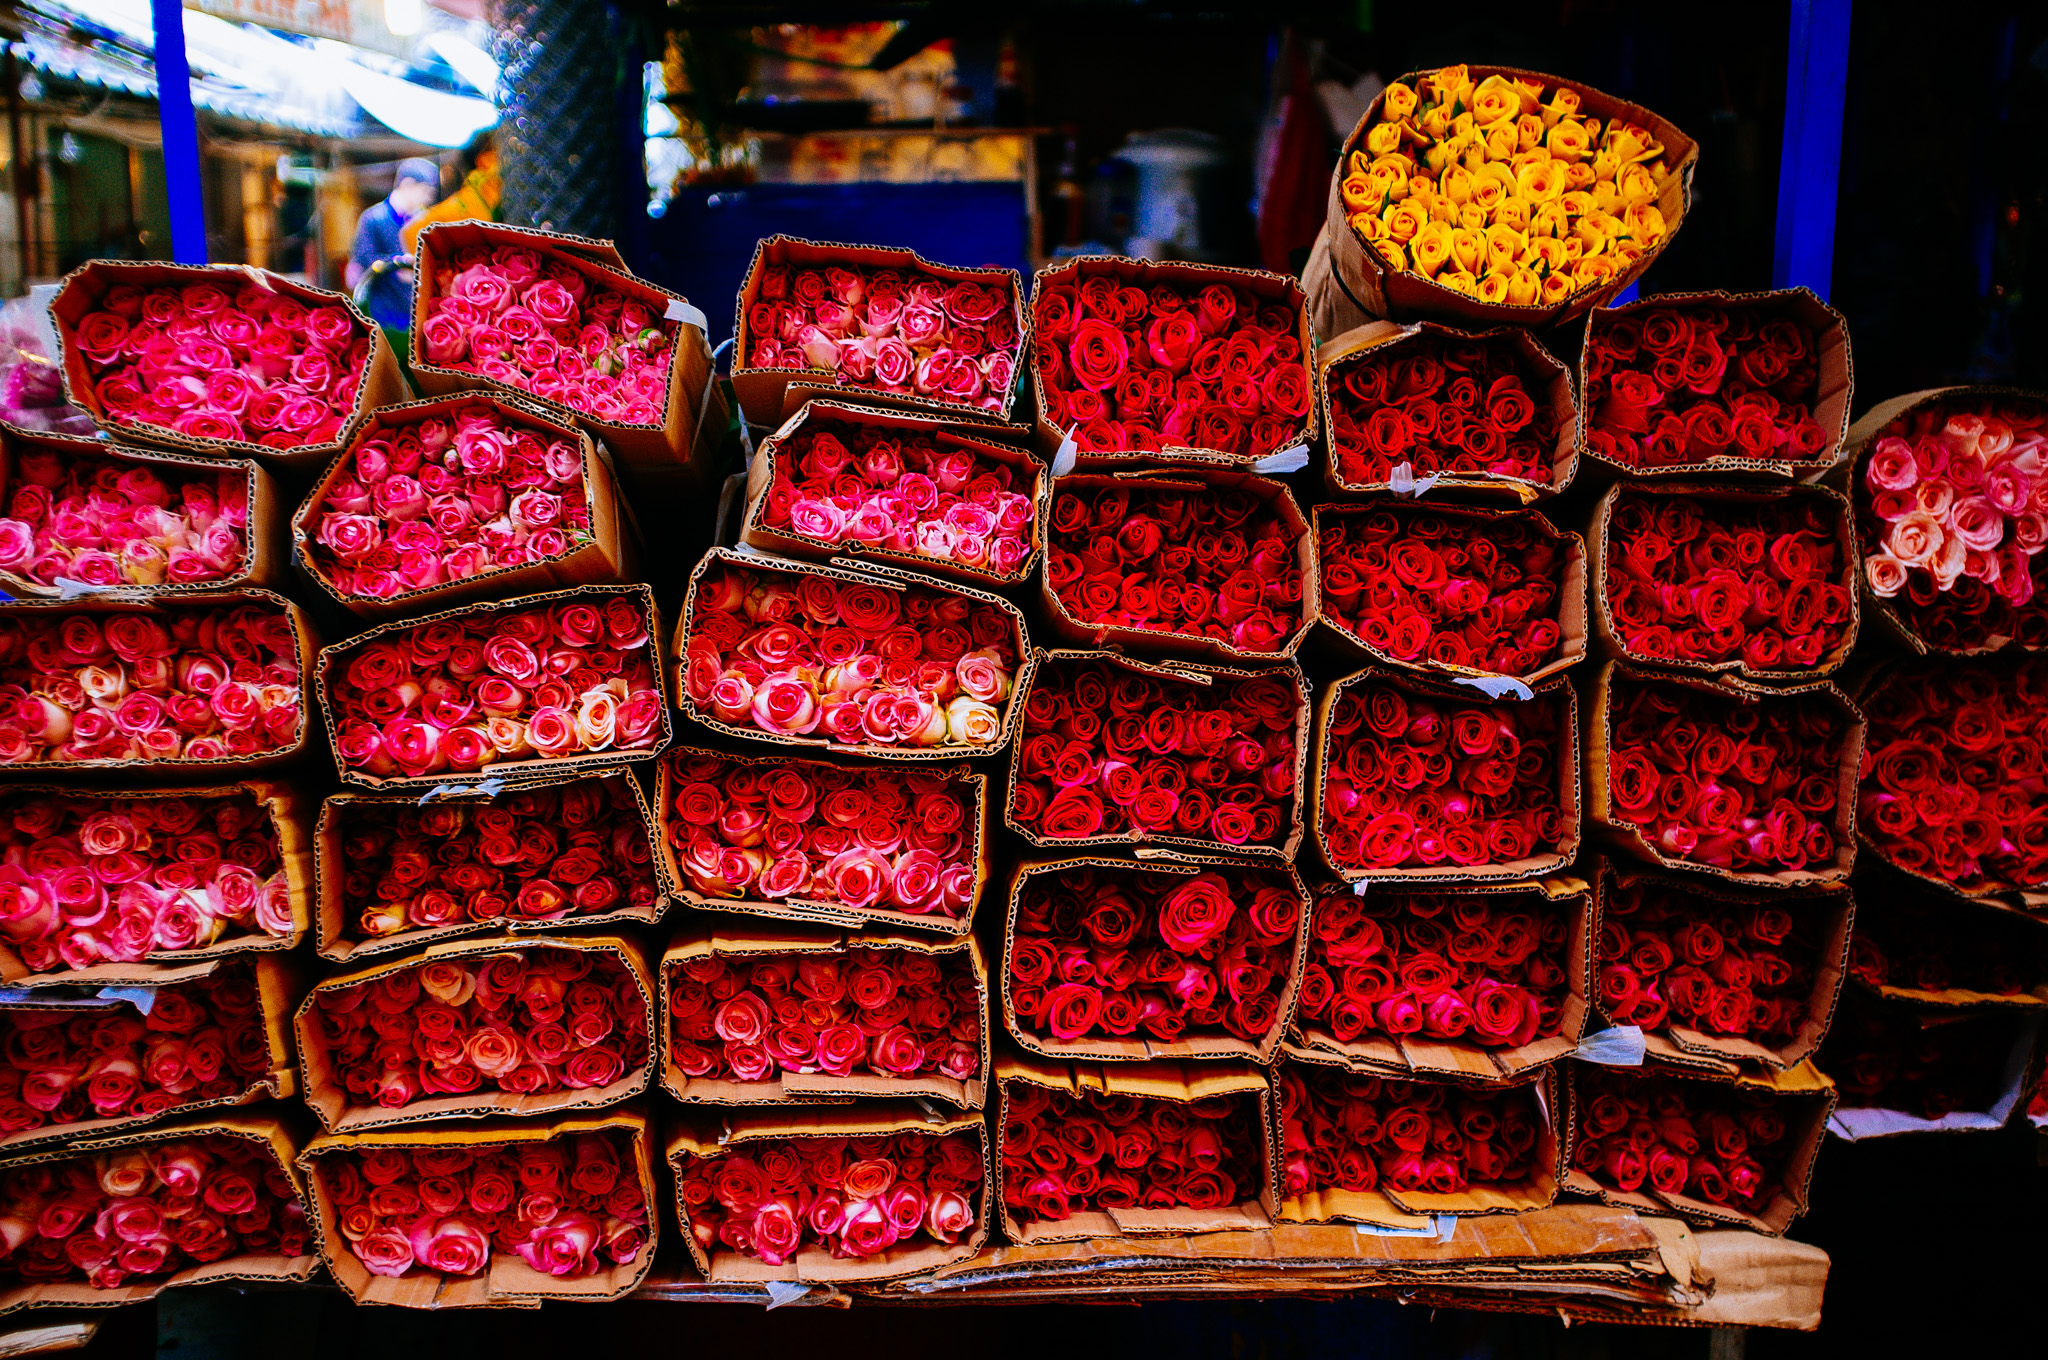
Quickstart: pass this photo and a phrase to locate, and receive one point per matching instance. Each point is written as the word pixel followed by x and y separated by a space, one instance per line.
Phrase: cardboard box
pixel 1464 1060
pixel 1987 1054
pixel 1555 692
pixel 524 769
pixel 694 418
pixel 284 808
pixel 1180 1083
pixel 1099 472
pixel 1904 924
pixel 1627 837
pixel 703 1135
pixel 276 1129
pixel 1145 844
pixel 381 382
pixel 1331 309
pixel 609 557
pixel 265 561
pixel 507 1282
pixel 1478 524
pixel 1138 1047
pixel 858 573
pixel 339 938
pixel 1186 277
pixel 761 391
pixel 339 1113
pixel 744 943
pixel 1827 328
pixel 1380 290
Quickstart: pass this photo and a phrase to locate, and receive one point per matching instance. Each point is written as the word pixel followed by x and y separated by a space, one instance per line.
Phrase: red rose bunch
pixel 1688 384
pixel 256 364
pixel 929 494
pixel 510 314
pixel 462 692
pixel 1214 562
pixel 201 1040
pixel 1176 366
pixel 436 500
pixel 112 1219
pixel 1416 780
pixel 1750 787
pixel 539 1020
pixel 87 880
pixel 877 838
pixel 1446 403
pixel 853 1197
pixel 1483 969
pixel 1886 1056
pixel 858 664
pixel 186 682
pixel 893 1012
pixel 1098 951
pixel 1954 783
pixel 1640 1130
pixel 1113 753
pixel 1427 585
pixel 545 854
pixel 1925 943
pixel 1065 1154
pixel 1694 579
pixel 1343 1131
pixel 113 522
pixel 569 1207
pixel 893 329
pixel 1672 956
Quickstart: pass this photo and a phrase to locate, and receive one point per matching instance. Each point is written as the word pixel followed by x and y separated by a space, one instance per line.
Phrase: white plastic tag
pixel 782 1292
pixel 1439 1228
pixel 1402 481
pixel 1287 460
pixel 488 788
pixel 1621 1046
pixel 142 998
pixel 1358 888
pixel 59 996
pixel 1498 686
pixel 68 589
pixel 679 310
pixel 1063 461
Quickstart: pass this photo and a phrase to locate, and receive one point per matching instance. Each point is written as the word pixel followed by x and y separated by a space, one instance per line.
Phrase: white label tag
pixel 1621 1046
pixel 68 589
pixel 679 310
pixel 1402 481
pixel 1063 460
pixel 1358 888
pixel 142 998
pixel 1287 460
pixel 488 788
pixel 782 1292
pixel 1498 686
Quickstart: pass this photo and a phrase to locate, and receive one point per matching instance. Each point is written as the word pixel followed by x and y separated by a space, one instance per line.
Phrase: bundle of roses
pixel 903 327
pixel 87 879
pixel 1473 408
pixel 1464 589
pixel 570 1207
pixel 855 1198
pixel 1132 356
pixel 542 1020
pixel 1101 953
pixel 562 330
pixel 1887 1056
pixel 1755 581
pixel 1420 777
pixel 1672 957
pixel 1639 1131
pixel 1065 1153
pixel 571 673
pixel 1345 1131
pixel 439 492
pixel 1744 782
pixel 895 1013
pixel 1954 783
pixel 1952 506
pixel 1112 751
pixel 1669 384
pixel 1922 942
pixel 844 661
pixel 1491 969
pixel 176 683
pixel 554 854
pixel 82 511
pixel 201 1041
pixel 1218 559
pixel 886 484
pixel 126 1217
pixel 872 840
pixel 249 362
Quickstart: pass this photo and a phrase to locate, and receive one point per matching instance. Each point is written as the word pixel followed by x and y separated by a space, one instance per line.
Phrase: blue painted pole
pixel 181 134
pixel 1809 166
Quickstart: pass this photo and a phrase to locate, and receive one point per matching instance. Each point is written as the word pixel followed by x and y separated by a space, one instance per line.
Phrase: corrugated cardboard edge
pixel 744 941
pixel 1145 845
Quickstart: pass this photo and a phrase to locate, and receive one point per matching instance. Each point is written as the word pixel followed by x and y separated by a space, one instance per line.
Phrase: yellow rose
pixel 1636 185
pixel 1563 104
pixel 1632 143
pixel 1360 163
pixel 1458 281
pixel 1396 257
pixel 1573 248
pixel 1557 288
pixel 1500 140
pixel 1432 247
pixel 1528 132
pixel 1593 269
pixel 1487 192
pixel 1594 234
pixel 1442 210
pixel 1568 141
pixel 1468 249
pixel 1438 155
pixel 1397 102
pixel 1358 193
pixel 1547 254
pixel 1578 175
pixel 1492 288
pixel 1504 246
pixel 1404 221
pixel 1435 123
pixel 1456 183
pixel 1605 199
pixel 1513 213
pixel 1532 94
pixel 1369 226
pixel 1524 288
pixel 1539 181
pixel 1383 138
pixel 1472 217
pixel 1494 100
pixel 1450 85
pixel 1546 221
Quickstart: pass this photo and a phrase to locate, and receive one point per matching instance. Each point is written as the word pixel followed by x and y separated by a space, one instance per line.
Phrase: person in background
pixel 380 265
pixel 475 200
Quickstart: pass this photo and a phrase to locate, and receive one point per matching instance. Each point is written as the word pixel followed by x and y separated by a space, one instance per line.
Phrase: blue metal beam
pixel 182 181
pixel 1809 166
